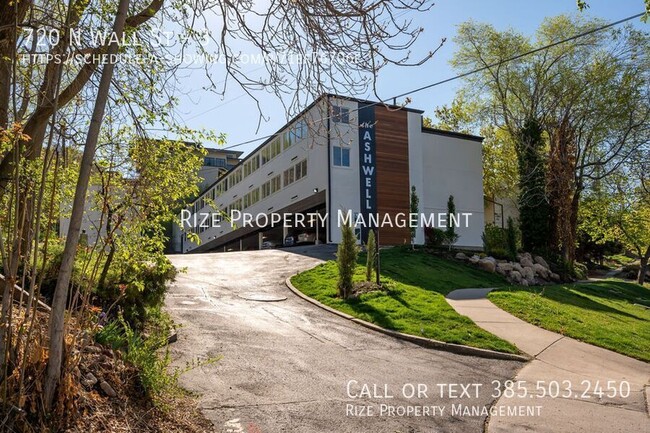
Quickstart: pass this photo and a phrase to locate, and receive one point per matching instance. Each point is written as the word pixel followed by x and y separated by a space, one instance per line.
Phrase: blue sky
pixel 236 115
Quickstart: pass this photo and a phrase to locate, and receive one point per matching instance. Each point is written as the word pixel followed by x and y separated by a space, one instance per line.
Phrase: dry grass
pixel 84 408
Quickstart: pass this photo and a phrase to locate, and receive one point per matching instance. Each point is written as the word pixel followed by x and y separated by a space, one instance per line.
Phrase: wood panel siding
pixel 393 188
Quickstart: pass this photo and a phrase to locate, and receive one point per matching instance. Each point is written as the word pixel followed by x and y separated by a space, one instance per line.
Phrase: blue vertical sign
pixel 367 167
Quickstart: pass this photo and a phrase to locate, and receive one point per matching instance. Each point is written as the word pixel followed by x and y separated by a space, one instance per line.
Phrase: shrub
pixel 371 255
pixel 434 237
pixel 346 259
pixel 495 241
pixel 415 209
pixel 136 287
pixel 450 234
pixel 579 271
pixel 142 352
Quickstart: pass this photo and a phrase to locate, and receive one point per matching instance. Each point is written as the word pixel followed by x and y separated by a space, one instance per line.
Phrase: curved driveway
pixel 286 365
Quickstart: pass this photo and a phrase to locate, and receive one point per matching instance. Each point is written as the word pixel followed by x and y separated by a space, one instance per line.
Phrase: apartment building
pixel 216 163
pixel 340 156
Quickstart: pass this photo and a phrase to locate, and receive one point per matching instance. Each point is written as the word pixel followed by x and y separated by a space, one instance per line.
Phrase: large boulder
pixel 529 273
pixel 461 256
pixel 554 277
pixel 526 255
pixel 541 270
pixel 505 267
pixel 540 260
pixel 517 267
pixel 515 277
pixel 526 262
pixel 474 259
pixel 525 283
pixel 487 265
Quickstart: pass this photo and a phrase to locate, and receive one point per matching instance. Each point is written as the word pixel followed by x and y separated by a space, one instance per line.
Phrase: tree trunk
pixel 643 269
pixel 57 317
pixel 562 191
pixel 107 265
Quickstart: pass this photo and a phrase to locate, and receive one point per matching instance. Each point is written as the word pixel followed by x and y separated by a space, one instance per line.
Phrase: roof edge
pixel 454 134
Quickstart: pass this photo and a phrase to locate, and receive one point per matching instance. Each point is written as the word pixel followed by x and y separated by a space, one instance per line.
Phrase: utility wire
pixel 465 74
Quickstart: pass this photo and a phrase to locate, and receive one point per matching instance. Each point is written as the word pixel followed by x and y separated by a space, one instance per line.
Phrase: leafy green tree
pixel 346 260
pixel 534 216
pixel 450 233
pixel 371 255
pixel 619 210
pixel 415 208
pixel 588 130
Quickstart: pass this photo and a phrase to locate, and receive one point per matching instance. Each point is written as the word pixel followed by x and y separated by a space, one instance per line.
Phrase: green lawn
pixel 414 302
pixel 600 313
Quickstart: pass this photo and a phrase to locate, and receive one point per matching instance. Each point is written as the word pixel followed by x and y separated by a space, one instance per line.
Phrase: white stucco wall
pixel 450 166
pixel 345 181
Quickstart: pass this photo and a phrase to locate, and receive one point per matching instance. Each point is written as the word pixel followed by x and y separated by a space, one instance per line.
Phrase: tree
pixel 48 107
pixel 534 218
pixel 415 209
pixel 142 184
pixel 618 209
pixel 57 315
pixel 346 260
pixel 584 5
pixel 588 130
pixel 450 233
pixel 371 255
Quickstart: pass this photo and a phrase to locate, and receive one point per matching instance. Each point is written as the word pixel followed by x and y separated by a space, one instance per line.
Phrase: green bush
pixel 346 259
pixel 371 255
pixel 495 241
pixel 136 287
pixel 451 237
pixel 143 353
pixel 434 237
pixel 579 271
pixel 53 264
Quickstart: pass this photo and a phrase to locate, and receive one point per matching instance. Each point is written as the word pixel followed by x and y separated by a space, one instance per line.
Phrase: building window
pixel 275 184
pixel 288 177
pixel 235 178
pixel 340 114
pixel 271 187
pixel 301 130
pixel 251 198
pixel 211 161
pixel 341 156
pixel 276 148
pixel 272 150
pixel 301 169
pixel 266 154
pixel 287 139
pixel 251 165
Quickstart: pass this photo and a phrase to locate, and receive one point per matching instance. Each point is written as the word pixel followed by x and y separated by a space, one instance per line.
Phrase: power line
pixel 465 74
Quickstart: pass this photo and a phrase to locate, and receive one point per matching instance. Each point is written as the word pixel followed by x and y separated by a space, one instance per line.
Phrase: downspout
pixel 329 176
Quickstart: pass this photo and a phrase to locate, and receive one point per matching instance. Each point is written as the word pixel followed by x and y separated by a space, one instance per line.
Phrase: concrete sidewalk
pixel 559 363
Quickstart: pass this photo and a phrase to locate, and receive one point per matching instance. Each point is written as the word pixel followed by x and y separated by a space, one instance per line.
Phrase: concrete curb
pixel 420 341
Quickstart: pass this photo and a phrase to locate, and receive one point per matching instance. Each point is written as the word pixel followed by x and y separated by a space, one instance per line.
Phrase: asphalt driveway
pixel 288 366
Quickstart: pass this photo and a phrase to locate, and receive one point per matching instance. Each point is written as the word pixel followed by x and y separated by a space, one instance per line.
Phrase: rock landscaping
pixel 528 270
